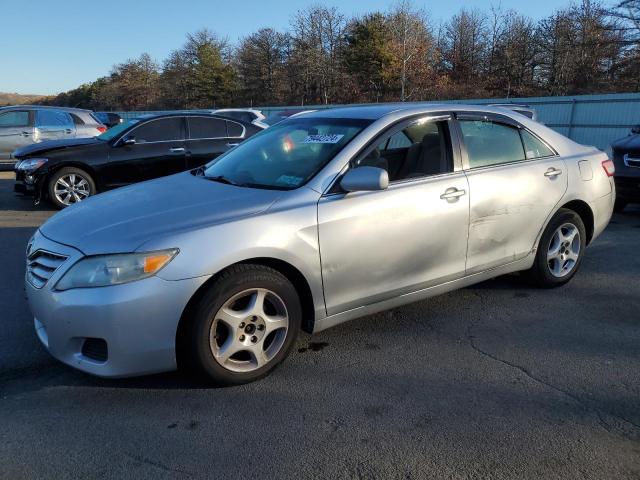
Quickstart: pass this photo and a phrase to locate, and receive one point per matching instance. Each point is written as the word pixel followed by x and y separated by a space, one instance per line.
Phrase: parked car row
pixel 67 171
pixel 96 166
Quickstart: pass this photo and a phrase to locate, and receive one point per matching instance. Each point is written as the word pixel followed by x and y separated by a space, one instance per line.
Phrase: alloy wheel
pixel 564 250
pixel 249 330
pixel 71 188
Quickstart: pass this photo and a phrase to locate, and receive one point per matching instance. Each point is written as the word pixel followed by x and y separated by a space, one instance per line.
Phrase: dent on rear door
pixel 509 205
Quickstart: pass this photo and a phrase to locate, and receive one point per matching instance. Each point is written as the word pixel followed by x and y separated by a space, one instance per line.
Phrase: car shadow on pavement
pixel 16 201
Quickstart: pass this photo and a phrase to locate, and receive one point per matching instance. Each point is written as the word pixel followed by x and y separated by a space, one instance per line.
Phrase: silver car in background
pixel 249 115
pixel 320 219
pixel 24 125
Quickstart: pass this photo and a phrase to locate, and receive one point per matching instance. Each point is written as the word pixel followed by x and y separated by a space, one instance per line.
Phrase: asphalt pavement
pixel 497 381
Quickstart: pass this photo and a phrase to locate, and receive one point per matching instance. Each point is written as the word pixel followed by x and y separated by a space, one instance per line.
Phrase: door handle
pixel 452 193
pixel 68 130
pixel 552 172
pixel 177 150
pixel 25 134
pixel 231 145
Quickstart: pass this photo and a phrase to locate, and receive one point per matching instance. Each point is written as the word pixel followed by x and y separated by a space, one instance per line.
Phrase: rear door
pixel 515 183
pixel 54 125
pixel 208 138
pixel 159 150
pixel 16 130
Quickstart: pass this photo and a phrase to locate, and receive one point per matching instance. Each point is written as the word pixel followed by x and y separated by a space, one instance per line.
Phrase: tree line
pixel 395 55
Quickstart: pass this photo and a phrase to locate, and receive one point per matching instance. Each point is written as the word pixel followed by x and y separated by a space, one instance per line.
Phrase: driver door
pixel 381 244
pixel 159 149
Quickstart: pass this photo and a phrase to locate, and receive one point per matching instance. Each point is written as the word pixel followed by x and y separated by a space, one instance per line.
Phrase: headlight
pixel 104 270
pixel 31 164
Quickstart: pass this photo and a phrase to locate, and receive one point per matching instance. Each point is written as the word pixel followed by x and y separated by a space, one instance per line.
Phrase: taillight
pixel 609 168
pixel 102 128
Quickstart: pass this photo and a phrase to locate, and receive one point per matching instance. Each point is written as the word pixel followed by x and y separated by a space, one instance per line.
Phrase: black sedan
pixel 68 171
pixel 626 158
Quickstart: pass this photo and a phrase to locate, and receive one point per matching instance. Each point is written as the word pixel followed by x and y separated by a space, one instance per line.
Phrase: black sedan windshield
pixel 115 131
pixel 286 155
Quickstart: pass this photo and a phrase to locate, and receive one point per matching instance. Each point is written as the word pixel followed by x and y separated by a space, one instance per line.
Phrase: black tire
pixel 540 274
pixel 63 172
pixel 619 206
pixel 232 282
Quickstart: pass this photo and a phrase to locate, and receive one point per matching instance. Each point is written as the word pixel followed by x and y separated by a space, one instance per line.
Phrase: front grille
pixel 631 162
pixel 95 349
pixel 41 265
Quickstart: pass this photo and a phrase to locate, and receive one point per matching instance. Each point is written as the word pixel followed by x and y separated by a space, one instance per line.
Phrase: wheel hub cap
pixel 564 250
pixel 72 188
pixel 249 330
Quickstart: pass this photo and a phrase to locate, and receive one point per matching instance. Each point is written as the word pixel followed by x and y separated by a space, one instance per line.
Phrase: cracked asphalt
pixel 497 381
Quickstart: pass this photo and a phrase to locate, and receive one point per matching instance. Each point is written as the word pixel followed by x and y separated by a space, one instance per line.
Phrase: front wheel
pixel 70 185
pixel 244 325
pixel 560 250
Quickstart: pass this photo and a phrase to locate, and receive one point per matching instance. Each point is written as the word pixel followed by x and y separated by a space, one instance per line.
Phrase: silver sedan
pixel 323 218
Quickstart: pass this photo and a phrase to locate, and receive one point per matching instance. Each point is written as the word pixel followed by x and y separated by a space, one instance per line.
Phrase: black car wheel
pixel 70 185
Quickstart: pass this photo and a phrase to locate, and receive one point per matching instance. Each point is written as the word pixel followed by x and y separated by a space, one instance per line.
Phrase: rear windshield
pixel 117 130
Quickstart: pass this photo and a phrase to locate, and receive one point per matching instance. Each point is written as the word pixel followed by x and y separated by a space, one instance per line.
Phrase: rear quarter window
pixel 234 130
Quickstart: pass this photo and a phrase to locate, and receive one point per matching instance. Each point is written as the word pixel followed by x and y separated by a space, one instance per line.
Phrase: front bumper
pixel 27 184
pixel 628 188
pixel 138 320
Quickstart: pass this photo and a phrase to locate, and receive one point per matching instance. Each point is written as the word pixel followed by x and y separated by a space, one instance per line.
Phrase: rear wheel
pixel 560 250
pixel 70 185
pixel 244 325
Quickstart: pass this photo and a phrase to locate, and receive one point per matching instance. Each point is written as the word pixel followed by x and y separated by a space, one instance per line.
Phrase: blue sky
pixel 48 46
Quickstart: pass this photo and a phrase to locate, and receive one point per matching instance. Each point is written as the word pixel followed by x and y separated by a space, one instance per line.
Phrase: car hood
pixel 49 145
pixel 121 220
pixel 628 143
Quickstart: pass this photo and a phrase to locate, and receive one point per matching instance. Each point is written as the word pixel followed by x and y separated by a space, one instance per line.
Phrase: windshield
pixel 286 155
pixel 116 130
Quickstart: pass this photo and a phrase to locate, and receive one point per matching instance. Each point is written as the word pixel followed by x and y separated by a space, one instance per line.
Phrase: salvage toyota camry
pixel 320 219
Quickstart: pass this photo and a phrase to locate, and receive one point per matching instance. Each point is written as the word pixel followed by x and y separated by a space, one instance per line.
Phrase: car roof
pixel 252 110
pixel 150 116
pixel 46 107
pixel 375 112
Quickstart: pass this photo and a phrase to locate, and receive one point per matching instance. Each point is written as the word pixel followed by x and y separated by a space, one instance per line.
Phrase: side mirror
pixel 128 140
pixel 635 129
pixel 365 179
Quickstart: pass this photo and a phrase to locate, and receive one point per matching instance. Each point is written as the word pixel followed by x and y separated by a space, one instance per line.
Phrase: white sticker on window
pixel 334 138
pixel 289 180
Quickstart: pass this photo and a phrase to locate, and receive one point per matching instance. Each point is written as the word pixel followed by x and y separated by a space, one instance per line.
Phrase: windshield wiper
pixel 223 179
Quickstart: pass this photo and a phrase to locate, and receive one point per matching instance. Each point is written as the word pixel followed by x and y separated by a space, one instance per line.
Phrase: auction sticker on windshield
pixel 334 138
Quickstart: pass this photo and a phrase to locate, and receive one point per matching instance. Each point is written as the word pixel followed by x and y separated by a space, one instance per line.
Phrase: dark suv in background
pixel 626 157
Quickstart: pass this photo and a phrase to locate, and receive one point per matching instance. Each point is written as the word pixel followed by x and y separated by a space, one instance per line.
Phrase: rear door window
pixel 162 130
pixel 491 143
pixel 53 119
pixel 15 118
pixel 203 128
